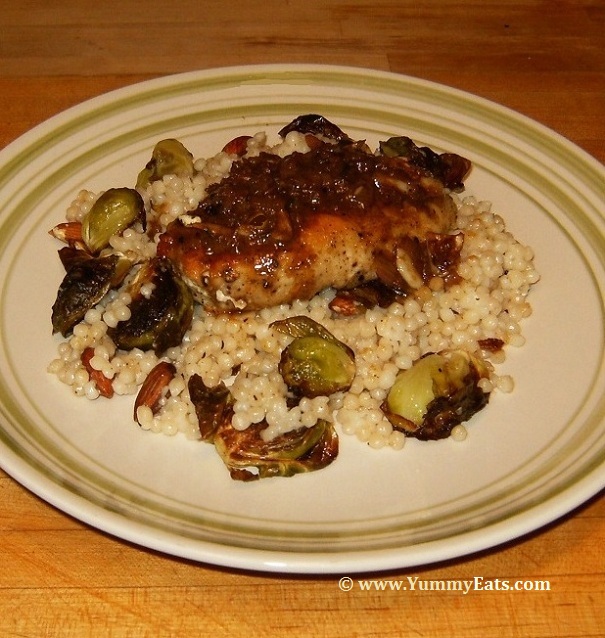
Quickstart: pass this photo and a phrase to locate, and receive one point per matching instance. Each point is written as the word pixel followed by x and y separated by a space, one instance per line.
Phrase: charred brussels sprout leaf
pixel 71 256
pixel 449 168
pixel 212 405
pixel 405 147
pixel 159 318
pixel 249 457
pixel 315 125
pixel 86 282
pixel 169 157
pixel 114 211
pixel 315 363
pixel 245 453
pixel 438 392
pixel 302 326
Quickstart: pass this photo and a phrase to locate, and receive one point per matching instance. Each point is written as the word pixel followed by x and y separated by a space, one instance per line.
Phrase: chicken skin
pixel 278 229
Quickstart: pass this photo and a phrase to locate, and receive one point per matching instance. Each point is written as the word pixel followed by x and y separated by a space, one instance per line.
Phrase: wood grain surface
pixel 545 59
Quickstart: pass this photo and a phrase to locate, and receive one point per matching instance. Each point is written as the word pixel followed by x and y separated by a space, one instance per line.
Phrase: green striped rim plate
pixel 531 457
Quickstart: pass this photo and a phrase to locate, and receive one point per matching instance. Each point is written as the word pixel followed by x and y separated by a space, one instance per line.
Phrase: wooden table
pixel 544 59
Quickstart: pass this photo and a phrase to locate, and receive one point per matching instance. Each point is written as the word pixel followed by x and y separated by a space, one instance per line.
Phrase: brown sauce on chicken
pixel 266 199
pixel 277 228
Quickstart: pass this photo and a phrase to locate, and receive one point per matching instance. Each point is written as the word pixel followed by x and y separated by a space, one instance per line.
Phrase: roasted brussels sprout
pixel 449 168
pixel 315 363
pixel 87 280
pixel 245 453
pixel 161 310
pixel 114 211
pixel 169 157
pixel 439 391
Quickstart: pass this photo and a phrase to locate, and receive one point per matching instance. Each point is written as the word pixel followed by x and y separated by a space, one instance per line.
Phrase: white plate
pixel 530 457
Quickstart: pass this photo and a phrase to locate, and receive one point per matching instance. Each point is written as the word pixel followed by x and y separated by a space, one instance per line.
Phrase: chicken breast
pixel 278 229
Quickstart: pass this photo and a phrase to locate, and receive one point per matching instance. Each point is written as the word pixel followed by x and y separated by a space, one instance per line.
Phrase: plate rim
pixel 276 561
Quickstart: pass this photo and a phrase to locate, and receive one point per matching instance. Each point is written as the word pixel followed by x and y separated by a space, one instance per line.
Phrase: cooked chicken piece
pixel 279 229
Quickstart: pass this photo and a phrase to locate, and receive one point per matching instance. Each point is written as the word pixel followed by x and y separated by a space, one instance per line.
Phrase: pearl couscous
pixel 488 303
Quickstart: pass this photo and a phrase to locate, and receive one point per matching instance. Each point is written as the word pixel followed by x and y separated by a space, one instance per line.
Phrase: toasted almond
pixel 313 141
pixel 237 146
pixel 68 232
pixel 103 384
pixel 151 391
pixel 347 306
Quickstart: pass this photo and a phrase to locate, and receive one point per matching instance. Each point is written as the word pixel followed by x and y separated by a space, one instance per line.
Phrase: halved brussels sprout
pixel 87 280
pixel 315 363
pixel 437 393
pixel 245 453
pixel 169 157
pixel 159 318
pixel 114 211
